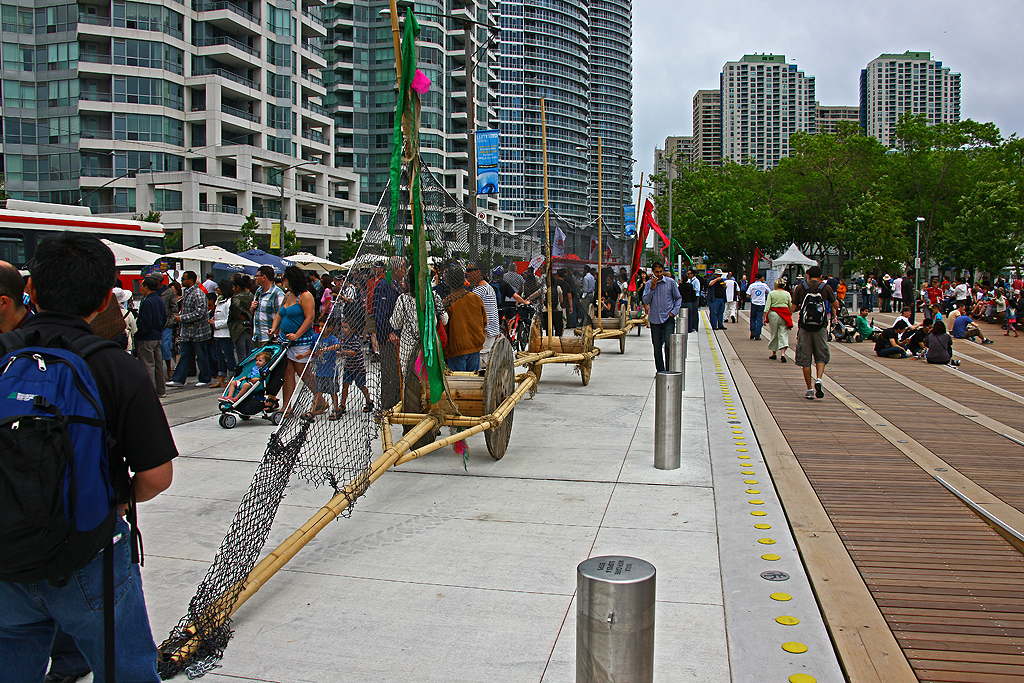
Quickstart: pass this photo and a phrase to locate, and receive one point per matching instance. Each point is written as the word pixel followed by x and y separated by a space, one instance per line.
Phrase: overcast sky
pixel 680 47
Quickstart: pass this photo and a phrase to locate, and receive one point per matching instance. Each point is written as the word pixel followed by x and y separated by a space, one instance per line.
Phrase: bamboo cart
pixel 578 350
pixel 619 327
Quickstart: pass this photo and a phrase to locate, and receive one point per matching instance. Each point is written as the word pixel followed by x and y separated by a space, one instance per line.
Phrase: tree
pixel 350 246
pixel 246 240
pixel 874 233
pixel 290 243
pixel 148 217
pixel 982 235
pixel 3 193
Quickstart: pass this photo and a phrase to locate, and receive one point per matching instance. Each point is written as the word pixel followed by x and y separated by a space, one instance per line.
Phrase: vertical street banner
pixel 629 219
pixel 593 246
pixel 487 162
pixel 558 249
pixel 275 235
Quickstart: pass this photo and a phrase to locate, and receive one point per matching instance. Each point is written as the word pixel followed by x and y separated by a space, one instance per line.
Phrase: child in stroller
pixel 845 329
pixel 257 377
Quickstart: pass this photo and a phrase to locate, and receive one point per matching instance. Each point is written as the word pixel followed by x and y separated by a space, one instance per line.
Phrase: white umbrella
pixel 212 255
pixel 793 257
pixel 131 257
pixel 312 262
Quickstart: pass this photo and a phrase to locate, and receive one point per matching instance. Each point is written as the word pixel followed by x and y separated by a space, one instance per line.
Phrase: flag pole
pixel 600 226
pixel 547 215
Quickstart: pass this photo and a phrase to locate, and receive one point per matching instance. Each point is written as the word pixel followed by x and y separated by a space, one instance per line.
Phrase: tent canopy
pixel 793 257
pixel 259 258
pixel 212 254
pixel 130 257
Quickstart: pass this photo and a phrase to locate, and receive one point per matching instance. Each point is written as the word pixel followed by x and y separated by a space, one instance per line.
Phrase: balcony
pixel 93 58
pixel 313 49
pixel 220 208
pixel 308 221
pixel 240 113
pixel 228 40
pixel 315 108
pixel 96 135
pixel 231 76
pixel 312 17
pixel 229 16
pixel 315 80
pixel 95 97
pixel 96 172
pixel 93 20
pixel 314 135
pixel 267 213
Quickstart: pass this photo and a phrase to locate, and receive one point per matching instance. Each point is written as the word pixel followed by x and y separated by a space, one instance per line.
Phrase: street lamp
pixel 125 174
pixel 622 203
pixel 287 168
pixel 917 260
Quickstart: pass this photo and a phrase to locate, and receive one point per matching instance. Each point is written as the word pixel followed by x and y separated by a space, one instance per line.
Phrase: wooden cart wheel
pixel 412 401
pixel 499 383
pixel 588 345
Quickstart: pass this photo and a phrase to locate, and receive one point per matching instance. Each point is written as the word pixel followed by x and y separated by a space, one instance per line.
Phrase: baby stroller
pixel 845 329
pixel 252 401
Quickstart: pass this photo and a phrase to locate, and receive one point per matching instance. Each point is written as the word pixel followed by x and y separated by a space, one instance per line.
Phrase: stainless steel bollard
pixel 615 620
pixel 668 418
pixel 677 356
pixel 683 327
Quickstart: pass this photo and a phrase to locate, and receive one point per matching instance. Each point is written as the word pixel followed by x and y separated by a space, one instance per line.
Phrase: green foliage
pixel 349 246
pixel 172 240
pixel 290 243
pixel 246 240
pixel 3 193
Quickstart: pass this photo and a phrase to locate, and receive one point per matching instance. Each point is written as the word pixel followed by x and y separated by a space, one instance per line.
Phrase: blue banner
pixel 629 219
pixel 487 162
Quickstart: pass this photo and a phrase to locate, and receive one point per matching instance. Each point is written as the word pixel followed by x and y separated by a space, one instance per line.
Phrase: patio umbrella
pixel 313 262
pixel 131 257
pixel 212 255
pixel 258 258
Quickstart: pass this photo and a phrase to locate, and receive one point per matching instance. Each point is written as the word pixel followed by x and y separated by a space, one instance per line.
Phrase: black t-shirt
pixel 918 338
pixel 134 416
pixel 887 339
pixel 718 290
pixel 507 292
pixel 686 291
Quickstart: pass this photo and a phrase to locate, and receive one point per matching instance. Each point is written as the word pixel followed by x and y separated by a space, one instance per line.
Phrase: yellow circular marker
pixel 743 457
pixel 762 526
pixel 747 472
pixel 740 443
pixel 753 492
pixel 781 597
pixel 766 541
pixel 756 502
pixel 802 678
pixel 770 557
pixel 759 513
pixel 750 481
pixel 742 450
pixel 795 648
pixel 787 621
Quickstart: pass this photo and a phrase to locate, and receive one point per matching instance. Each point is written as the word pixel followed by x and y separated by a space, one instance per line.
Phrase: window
pixel 280 21
pixel 166 200
pixel 147 53
pixel 149 128
pixel 145 17
pixel 139 90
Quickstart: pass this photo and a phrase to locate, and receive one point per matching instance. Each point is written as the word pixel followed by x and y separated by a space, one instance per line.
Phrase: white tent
pixel 130 257
pixel 793 257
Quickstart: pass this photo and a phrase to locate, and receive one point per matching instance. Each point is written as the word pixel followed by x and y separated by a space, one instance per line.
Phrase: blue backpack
pixel 57 499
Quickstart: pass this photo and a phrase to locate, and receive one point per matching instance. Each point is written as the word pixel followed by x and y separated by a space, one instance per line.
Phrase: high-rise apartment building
pixel 707 128
pixel 204 111
pixel 829 117
pixel 677 150
pixel 910 83
pixel 764 100
pixel 545 53
pixel 611 108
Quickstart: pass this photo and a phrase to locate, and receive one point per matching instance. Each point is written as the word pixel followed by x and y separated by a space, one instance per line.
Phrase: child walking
pixel 355 370
pixel 1011 314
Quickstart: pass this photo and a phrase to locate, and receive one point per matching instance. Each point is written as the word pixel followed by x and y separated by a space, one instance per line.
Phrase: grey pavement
pixel 451 574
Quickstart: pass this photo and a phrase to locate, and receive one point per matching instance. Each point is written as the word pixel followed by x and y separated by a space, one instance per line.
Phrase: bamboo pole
pixel 636 240
pixel 397 38
pixel 528 358
pixel 448 420
pixel 600 223
pixel 571 358
pixel 547 214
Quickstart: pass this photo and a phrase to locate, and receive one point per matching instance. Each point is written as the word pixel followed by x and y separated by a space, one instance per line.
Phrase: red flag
pixel 593 246
pixel 646 223
pixel 756 266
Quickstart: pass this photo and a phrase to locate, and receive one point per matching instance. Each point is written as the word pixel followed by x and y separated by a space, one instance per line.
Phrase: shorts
pixel 811 345
pixel 297 350
pixel 354 377
pixel 329 384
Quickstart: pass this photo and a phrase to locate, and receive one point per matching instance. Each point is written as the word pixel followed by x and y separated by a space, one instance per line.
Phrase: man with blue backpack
pixel 83 438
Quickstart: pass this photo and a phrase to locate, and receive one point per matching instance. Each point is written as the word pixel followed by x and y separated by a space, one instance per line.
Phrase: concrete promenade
pixel 443 574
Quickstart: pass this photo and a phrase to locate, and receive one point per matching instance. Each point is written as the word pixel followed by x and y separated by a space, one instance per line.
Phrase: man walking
pixel 909 295
pixel 661 294
pixel 152 321
pixel 589 290
pixel 194 320
pixel 268 299
pixel 758 293
pixel 688 298
pixel 716 300
pixel 694 315
pixel 70 284
pixel 732 293
pixel 811 300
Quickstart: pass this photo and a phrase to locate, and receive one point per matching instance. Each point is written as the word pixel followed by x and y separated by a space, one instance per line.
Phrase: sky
pixel 680 47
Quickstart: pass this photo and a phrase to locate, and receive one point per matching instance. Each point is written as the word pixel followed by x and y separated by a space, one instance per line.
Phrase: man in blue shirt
pixel 661 296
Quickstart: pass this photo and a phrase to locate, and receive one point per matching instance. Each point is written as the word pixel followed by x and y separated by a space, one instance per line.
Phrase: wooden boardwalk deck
pixel 948 585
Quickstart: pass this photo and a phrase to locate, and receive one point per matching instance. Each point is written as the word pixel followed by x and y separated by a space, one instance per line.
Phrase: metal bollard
pixel 683 326
pixel 677 356
pixel 615 620
pixel 668 418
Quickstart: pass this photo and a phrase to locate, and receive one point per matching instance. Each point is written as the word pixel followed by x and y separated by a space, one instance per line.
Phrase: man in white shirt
pixel 589 288
pixel 483 289
pixel 758 293
pixel 897 295
pixel 732 290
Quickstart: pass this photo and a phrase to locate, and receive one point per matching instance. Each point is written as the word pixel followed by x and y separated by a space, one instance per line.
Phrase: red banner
pixel 756 265
pixel 646 223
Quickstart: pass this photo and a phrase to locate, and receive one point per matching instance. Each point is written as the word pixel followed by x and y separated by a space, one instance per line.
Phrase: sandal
pixel 271 404
pixel 336 415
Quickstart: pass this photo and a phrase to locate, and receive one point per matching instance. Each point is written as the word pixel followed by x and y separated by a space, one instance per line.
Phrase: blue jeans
pixel 891 351
pixel 192 350
pixel 716 310
pixel 659 337
pixel 224 356
pixel 32 611
pixel 694 315
pixel 756 319
pixel 167 344
pixel 467 362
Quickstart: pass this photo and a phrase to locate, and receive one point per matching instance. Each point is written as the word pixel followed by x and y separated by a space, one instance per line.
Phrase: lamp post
pixel 671 176
pixel 917 259
pixel 287 168
pixel 123 175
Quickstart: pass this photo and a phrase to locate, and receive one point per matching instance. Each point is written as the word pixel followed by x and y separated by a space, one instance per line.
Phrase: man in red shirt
pixel 934 291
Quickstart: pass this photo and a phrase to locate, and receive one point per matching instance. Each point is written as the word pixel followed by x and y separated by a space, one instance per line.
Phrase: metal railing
pixel 96 135
pixel 266 213
pixel 93 58
pixel 227 40
pixel 314 135
pixel 96 96
pixel 315 80
pixel 308 221
pixel 240 113
pixel 230 6
pixel 314 49
pixel 97 173
pixel 165 206
pixel 315 108
pixel 314 18
pixel 220 208
pixel 93 20
pixel 231 76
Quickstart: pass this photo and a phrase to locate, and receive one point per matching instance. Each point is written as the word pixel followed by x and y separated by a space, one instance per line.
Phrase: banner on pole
pixel 559 247
pixel 275 235
pixel 487 162
pixel 629 219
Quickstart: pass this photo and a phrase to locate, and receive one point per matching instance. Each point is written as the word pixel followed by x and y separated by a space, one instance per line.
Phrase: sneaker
pixel 809 395
pixel 987 341
pixel 175 384
pixel 818 391
pixel 202 384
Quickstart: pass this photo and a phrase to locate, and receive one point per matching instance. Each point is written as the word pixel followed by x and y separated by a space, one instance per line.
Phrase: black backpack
pixel 814 309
